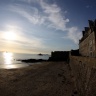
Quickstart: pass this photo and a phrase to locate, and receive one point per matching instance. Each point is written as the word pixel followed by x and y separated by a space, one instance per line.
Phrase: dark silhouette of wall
pixel 75 52
pixel 59 56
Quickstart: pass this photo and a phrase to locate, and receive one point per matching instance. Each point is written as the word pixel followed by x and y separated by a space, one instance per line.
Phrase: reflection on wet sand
pixel 13 66
pixel 8 57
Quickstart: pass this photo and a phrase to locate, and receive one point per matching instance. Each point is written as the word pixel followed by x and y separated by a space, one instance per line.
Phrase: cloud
pixel 88 6
pixel 30 13
pixel 54 16
pixel 74 34
pixel 51 16
pixel 27 1
pixel 21 40
pixel 28 45
pixel 50 13
pixel 59 21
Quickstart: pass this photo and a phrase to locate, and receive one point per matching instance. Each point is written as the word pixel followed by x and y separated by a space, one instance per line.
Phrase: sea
pixel 9 60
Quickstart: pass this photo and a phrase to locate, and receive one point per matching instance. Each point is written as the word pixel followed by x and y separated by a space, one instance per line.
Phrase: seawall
pixel 84 71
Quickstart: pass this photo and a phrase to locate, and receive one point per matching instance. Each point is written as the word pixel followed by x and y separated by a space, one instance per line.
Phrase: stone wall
pixel 88 46
pixel 84 71
pixel 59 56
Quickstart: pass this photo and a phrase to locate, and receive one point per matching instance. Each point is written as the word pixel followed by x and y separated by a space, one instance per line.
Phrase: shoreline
pixel 46 79
pixel 17 66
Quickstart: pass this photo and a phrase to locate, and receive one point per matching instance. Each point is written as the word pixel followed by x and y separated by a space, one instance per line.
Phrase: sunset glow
pixel 42 26
pixel 9 35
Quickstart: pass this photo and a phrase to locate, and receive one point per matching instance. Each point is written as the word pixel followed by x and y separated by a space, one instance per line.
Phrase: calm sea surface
pixel 9 60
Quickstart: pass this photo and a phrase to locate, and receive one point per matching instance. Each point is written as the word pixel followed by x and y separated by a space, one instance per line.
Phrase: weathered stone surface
pixel 84 70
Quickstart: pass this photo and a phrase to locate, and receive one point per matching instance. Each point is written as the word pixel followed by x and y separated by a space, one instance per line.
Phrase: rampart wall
pixel 84 71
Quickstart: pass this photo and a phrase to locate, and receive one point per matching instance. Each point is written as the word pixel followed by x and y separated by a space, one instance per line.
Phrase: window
pixel 90 48
pixel 90 42
pixel 90 54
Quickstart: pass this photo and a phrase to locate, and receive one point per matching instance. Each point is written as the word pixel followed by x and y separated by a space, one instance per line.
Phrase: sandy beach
pixel 46 79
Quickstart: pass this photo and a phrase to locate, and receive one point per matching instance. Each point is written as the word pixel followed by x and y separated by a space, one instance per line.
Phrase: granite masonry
pixel 87 44
pixel 84 65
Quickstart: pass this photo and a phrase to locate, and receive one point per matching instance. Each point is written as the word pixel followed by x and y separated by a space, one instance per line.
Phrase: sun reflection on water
pixel 8 57
pixel 9 62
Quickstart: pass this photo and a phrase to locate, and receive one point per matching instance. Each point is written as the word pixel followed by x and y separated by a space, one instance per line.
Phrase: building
pixel 59 56
pixel 87 44
pixel 74 52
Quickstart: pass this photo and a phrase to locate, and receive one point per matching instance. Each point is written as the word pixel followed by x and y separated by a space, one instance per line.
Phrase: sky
pixel 42 26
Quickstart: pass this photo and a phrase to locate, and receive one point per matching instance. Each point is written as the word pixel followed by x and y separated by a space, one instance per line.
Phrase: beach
pixel 45 79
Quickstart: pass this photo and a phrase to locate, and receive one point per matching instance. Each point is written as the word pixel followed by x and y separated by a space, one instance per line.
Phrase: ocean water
pixel 9 60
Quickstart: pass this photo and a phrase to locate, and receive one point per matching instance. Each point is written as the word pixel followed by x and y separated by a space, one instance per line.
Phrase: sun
pixel 9 35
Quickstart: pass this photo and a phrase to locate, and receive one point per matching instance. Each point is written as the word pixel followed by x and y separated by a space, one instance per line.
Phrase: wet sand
pixel 46 79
